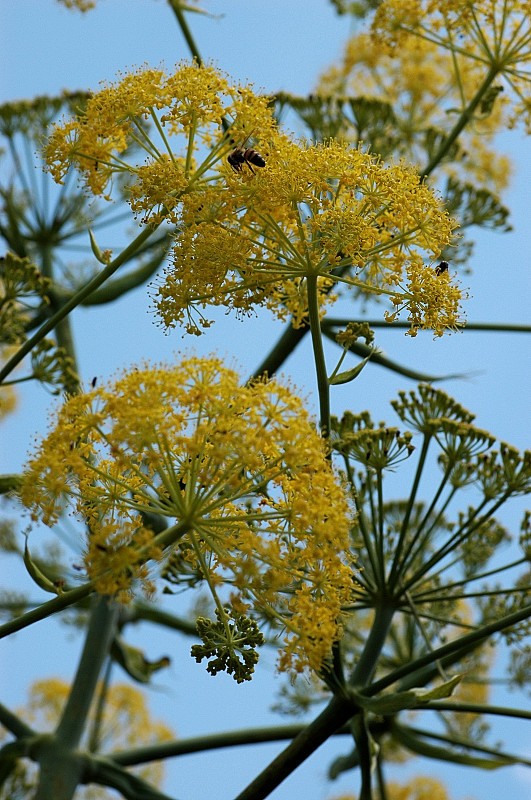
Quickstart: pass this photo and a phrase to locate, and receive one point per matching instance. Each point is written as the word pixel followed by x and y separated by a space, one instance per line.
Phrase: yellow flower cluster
pixel 177 123
pixel 430 299
pixel 425 85
pixel 325 213
pixel 495 34
pixel 239 471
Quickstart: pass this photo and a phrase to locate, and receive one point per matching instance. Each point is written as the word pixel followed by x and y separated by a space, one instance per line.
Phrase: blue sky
pixel 277 45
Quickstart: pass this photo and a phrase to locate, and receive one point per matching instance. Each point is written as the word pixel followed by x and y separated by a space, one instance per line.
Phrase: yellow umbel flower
pixel 242 476
pixel 495 34
pixel 163 133
pixel 424 86
pixel 327 213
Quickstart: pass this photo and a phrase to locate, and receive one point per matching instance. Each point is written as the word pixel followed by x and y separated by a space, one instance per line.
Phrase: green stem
pixel 340 322
pixel 98 641
pixel 366 665
pixel 465 118
pixel 281 351
pixel 453 649
pixel 214 741
pixel 74 301
pixel 13 724
pixel 334 716
pixel 45 610
pixel 63 329
pixel 62 768
pixel 175 6
pixel 475 708
pixel 363 746
pixel 394 574
pixel 458 741
pixel 323 387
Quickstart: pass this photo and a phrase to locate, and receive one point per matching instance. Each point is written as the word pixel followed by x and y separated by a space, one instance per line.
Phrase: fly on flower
pixel 242 155
pixel 442 267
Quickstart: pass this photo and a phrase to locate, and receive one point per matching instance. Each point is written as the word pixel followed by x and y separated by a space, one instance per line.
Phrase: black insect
pixel 245 155
pixel 442 267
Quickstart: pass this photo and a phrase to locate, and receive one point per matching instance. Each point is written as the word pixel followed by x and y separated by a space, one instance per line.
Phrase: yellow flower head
pixel 495 34
pixel 163 133
pixel 424 85
pixel 326 213
pixel 241 474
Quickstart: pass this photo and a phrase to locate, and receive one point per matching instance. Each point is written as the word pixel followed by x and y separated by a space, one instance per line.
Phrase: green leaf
pixel 350 374
pixel 134 662
pixel 399 701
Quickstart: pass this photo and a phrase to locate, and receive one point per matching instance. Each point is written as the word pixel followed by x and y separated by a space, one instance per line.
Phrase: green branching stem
pixel 334 716
pixel 455 540
pixel 418 542
pixel 397 559
pixel 465 119
pixel 454 649
pixel 74 301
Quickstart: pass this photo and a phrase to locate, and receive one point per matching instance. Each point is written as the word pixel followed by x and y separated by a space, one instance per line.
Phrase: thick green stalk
pixel 334 716
pixel 323 387
pixel 61 767
pixel 100 634
pixel 364 669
